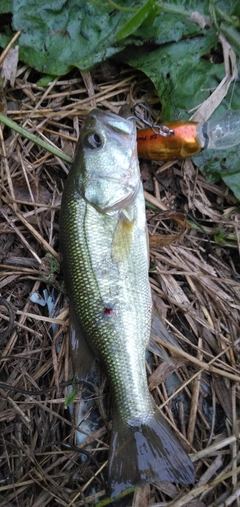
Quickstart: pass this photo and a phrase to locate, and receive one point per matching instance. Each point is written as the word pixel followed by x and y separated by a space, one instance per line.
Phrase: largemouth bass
pixel 104 251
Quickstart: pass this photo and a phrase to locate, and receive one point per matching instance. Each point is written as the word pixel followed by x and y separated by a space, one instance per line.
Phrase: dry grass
pixel 195 284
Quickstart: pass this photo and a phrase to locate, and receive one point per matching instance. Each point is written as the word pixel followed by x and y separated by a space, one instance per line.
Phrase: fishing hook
pixel 161 130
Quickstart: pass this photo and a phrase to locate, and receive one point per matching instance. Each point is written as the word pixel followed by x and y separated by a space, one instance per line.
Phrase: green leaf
pixel 4 40
pixel 70 397
pixel 219 236
pixel 221 164
pixel 5 6
pixel 232 35
pixel 61 34
pixel 232 180
pixel 45 80
pixel 180 74
pixel 136 21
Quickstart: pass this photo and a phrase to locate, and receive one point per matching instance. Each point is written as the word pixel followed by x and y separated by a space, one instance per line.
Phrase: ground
pixel 195 284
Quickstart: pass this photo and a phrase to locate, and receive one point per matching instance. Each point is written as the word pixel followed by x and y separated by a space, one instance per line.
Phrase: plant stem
pixel 35 139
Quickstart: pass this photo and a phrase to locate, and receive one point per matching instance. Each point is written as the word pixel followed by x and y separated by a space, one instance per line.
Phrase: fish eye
pixel 93 141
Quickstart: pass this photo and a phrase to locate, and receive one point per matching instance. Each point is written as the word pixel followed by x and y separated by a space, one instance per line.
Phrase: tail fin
pixel 146 452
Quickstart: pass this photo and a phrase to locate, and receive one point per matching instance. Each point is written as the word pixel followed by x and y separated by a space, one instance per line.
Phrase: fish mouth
pixel 112 121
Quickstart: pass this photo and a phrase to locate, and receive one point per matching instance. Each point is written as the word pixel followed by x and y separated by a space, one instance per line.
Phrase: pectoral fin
pixel 122 238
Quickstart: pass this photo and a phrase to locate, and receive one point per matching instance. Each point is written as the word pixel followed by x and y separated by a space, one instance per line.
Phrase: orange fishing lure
pixel 182 139
pixel 180 142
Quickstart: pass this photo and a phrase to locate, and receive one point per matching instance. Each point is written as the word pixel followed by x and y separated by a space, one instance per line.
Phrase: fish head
pixel 106 163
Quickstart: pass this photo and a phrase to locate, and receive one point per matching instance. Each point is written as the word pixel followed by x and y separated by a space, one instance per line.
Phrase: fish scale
pixel 104 252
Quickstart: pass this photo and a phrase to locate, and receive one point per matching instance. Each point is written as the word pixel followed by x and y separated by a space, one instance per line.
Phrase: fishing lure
pixel 182 139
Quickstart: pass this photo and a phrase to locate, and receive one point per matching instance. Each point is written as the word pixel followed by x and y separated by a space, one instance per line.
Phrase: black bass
pixel 104 251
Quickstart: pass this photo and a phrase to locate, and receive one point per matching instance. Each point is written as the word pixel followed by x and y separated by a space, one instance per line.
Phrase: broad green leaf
pixel 166 27
pixel 61 34
pixel 180 73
